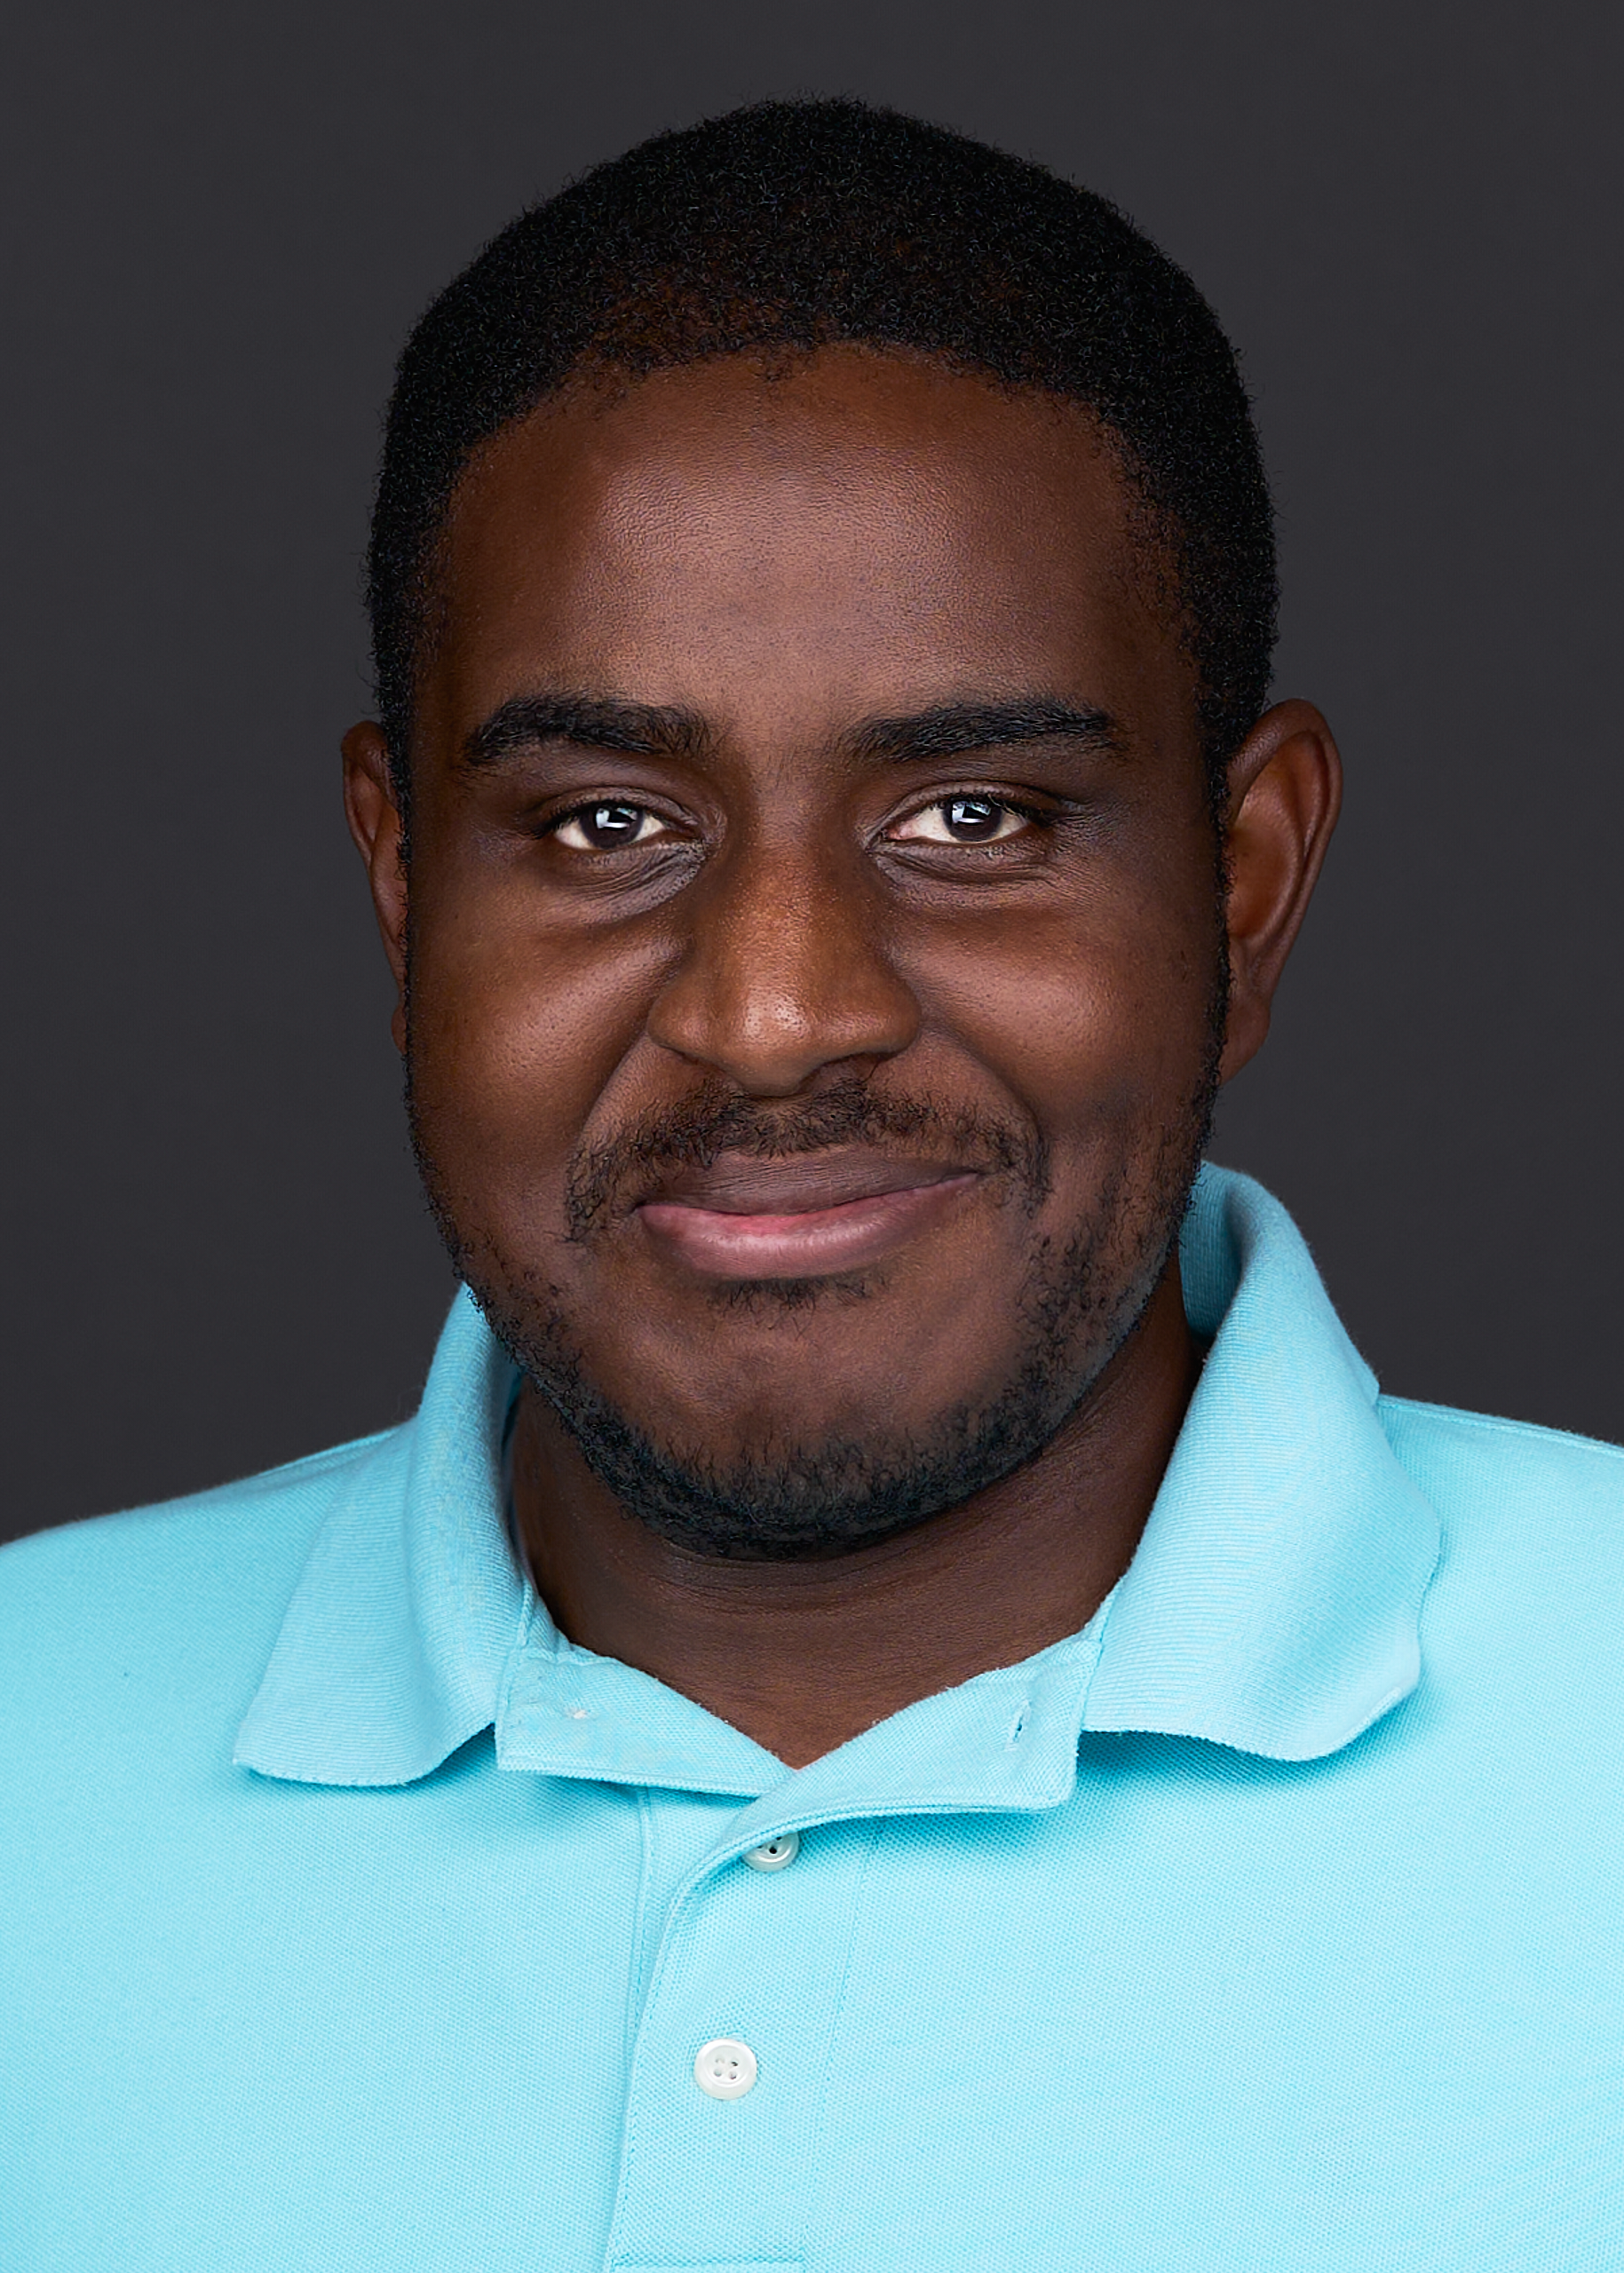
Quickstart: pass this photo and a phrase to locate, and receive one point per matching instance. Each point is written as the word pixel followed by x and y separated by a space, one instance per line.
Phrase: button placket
pixel 730 2066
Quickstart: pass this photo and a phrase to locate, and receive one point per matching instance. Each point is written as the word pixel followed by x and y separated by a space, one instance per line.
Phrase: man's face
pixel 814 934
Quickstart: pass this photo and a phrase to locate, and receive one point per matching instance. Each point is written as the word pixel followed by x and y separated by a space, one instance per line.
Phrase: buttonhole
pixel 1018 1725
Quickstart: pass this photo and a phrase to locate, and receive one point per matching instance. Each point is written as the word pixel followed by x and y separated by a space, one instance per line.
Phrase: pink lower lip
pixel 811 1244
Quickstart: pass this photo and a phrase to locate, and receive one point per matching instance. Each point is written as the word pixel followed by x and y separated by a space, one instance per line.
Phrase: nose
pixel 783 973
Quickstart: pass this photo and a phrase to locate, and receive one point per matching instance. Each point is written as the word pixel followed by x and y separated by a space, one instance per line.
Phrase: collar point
pixel 1309 1731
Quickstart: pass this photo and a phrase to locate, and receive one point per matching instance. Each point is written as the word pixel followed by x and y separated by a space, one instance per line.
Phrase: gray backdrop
pixel 222 220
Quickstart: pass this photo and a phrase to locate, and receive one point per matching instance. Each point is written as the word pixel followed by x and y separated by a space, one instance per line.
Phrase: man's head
pixel 823 593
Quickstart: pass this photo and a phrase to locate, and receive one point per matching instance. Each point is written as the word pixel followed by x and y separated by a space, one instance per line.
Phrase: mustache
pixel 608 1179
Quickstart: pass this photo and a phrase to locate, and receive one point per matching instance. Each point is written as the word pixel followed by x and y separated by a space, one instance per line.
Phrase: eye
pixel 608 827
pixel 961 821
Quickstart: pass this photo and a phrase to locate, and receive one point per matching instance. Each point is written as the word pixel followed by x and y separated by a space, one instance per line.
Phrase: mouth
pixel 807 1216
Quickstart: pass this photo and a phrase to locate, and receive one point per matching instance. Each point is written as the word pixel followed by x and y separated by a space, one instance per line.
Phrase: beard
pixel 789 1498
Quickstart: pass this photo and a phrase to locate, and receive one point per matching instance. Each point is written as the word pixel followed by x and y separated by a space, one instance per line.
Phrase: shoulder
pixel 160 1608
pixel 226 1532
pixel 1504 1469
pixel 1525 1607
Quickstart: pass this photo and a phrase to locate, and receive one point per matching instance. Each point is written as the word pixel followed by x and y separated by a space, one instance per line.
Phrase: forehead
pixel 858 529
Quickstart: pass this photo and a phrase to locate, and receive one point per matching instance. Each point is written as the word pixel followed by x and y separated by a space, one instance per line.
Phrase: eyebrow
pixel 954 729
pixel 641 729
pixel 651 730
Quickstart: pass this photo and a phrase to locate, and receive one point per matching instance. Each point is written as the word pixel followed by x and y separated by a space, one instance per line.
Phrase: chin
pixel 776 1475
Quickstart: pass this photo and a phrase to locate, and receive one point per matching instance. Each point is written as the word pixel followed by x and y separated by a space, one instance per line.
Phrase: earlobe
pixel 374 816
pixel 1284 795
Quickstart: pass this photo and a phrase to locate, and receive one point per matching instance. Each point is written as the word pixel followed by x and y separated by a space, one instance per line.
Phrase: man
pixel 904 1703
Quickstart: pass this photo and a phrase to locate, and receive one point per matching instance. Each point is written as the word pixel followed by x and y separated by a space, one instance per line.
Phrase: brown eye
pixel 961 821
pixel 608 827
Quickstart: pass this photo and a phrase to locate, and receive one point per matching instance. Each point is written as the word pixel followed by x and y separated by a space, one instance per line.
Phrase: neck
pixel 803 1656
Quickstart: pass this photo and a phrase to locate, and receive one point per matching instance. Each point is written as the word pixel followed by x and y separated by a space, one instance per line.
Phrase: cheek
pixel 1096 1018
pixel 515 1035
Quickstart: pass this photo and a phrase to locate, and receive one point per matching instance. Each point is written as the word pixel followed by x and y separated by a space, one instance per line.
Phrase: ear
pixel 1285 793
pixel 380 838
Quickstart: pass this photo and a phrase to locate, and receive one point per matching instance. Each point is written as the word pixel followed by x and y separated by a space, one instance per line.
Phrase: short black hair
pixel 792 225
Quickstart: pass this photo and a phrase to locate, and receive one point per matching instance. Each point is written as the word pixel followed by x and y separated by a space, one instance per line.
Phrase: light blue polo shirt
pixel 352 1922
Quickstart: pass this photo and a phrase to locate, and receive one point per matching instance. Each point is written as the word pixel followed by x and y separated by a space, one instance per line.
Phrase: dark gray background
pixel 221 220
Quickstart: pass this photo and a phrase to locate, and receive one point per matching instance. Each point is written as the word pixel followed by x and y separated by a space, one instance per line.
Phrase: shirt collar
pixel 1272 1605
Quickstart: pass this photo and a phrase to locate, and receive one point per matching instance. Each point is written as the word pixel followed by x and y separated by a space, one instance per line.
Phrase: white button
pixel 778 1854
pixel 725 2068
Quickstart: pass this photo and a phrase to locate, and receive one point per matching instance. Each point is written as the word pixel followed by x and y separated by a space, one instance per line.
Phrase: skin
pixel 779 560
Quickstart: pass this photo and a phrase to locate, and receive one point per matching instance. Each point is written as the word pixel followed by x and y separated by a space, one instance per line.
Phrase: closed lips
pixel 809 1216
pixel 740 1185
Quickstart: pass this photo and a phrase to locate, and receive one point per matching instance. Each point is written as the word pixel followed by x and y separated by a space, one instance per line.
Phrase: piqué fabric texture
pixel 351 1918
